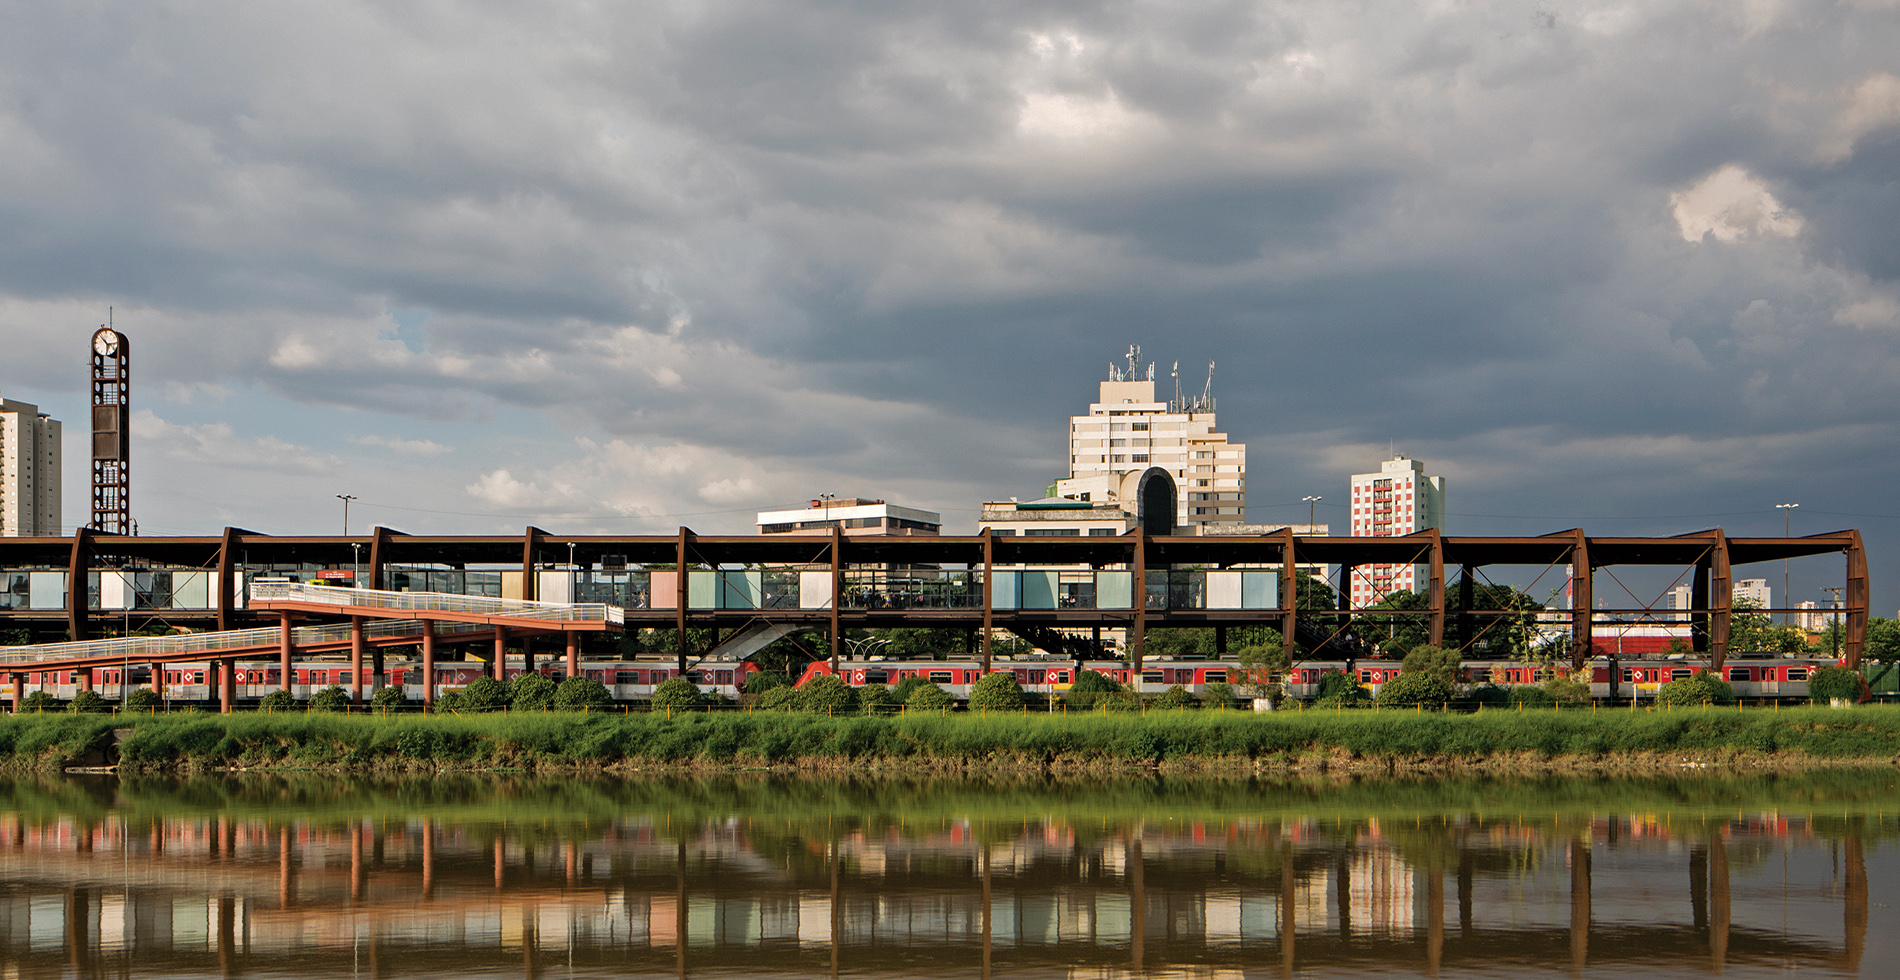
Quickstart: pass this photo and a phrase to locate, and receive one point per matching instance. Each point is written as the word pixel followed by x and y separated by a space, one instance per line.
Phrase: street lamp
pixel 346 498
pixel 1312 504
pixel 826 499
pixel 1787 531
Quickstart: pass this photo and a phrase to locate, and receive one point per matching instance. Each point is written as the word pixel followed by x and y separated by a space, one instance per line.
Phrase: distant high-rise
pixel 1399 499
pixel 29 472
pixel 1127 430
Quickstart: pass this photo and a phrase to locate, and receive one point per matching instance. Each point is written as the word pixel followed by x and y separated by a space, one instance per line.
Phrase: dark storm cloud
pixel 902 240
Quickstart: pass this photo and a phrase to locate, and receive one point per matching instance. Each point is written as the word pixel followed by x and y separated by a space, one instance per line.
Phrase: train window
pixel 1151 677
pixel 1480 676
pixel 346 677
pixel 1062 677
pixel 1217 677
pixel 657 676
pixel 876 677
pixel 1365 677
pixel 1738 673
pixel 1628 675
pixel 722 676
pixel 940 677
pixel 1797 673
pixel 1679 673
pixel 626 677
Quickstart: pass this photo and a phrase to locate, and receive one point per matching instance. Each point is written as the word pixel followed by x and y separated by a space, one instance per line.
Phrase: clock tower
pixel 111 432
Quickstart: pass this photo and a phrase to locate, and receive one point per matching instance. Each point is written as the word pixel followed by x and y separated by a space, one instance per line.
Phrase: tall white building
pixel 1753 591
pixel 1128 430
pixel 29 472
pixel 1399 499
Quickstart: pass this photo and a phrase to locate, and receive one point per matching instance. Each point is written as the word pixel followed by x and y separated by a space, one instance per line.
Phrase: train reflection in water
pixel 104 891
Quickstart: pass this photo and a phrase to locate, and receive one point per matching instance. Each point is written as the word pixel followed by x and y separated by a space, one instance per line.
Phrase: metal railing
pixel 145 648
pixel 560 612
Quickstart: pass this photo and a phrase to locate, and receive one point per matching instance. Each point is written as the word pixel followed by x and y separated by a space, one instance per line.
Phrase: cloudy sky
pixel 1633 266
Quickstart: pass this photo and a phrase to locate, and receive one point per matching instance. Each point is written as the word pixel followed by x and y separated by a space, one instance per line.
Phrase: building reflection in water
pixel 116 892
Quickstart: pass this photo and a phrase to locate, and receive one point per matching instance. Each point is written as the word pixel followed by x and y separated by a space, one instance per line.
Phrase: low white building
pixel 855 515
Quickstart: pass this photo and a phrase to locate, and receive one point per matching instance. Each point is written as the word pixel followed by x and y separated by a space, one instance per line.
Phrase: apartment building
pixel 1399 499
pixel 29 472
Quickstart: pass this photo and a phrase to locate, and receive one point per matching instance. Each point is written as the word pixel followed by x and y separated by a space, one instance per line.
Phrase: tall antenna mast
pixel 1175 373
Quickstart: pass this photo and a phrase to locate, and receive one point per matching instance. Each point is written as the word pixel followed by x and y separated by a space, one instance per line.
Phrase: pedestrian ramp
pixel 750 639
pixel 224 643
pixel 441 606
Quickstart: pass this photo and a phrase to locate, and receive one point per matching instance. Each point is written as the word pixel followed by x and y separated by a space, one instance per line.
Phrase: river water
pixel 742 876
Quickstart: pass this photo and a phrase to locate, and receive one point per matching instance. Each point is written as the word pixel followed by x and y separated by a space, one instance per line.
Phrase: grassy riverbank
pixel 1301 741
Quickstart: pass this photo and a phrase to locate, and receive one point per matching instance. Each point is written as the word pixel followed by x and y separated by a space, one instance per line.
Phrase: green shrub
pixel 1089 686
pixel 1337 684
pixel 451 702
pixel 908 686
pixel 485 694
pixel 278 700
pixel 1701 687
pixel 331 698
pixel 1568 690
pixel 88 702
pixel 1531 696
pixel 1416 688
pixel 1218 695
pixel 36 701
pixel 1176 698
pixel 1489 695
pixel 778 699
pixel 996 692
pixel 582 694
pixel 875 699
pixel 825 694
pixel 143 699
pixel 926 696
pixel 677 694
pixel 1829 683
pixel 532 692
pixel 390 696
pixel 1118 702
pixel 1351 697
pixel 764 681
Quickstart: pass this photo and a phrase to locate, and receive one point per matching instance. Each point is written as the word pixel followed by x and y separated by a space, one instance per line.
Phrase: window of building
pixel 1101 532
pixel 1053 532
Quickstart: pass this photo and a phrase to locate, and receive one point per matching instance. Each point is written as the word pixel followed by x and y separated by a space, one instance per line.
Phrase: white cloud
pixel 1874 311
pixel 217 445
pixel 1729 205
pixel 1871 106
pixel 407 447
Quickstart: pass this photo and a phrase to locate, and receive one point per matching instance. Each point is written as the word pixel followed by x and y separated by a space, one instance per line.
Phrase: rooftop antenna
pixel 1175 406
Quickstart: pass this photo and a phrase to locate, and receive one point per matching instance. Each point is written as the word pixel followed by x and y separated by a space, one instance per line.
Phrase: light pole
pixel 826 499
pixel 346 498
pixel 1787 531
pixel 1312 504
pixel 574 573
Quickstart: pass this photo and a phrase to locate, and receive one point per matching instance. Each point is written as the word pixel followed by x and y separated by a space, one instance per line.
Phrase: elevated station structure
pixel 1041 587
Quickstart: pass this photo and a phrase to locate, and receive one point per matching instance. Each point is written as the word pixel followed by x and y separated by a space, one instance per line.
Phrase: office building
pixel 29 472
pixel 856 515
pixel 1398 500
pixel 1128 430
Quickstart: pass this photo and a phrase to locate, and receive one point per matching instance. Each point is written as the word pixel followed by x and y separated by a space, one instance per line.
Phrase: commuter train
pixel 1756 678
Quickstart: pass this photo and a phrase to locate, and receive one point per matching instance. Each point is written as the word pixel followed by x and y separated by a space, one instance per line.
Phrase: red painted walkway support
pixel 284 651
pixel 428 665
pixel 356 660
pixel 19 691
pixel 500 667
pixel 227 686
pixel 573 655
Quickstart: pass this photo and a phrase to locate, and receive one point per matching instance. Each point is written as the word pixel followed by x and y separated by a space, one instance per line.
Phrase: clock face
pixel 106 343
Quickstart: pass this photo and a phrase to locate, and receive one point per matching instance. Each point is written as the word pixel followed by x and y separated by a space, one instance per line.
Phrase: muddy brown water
pixel 762 875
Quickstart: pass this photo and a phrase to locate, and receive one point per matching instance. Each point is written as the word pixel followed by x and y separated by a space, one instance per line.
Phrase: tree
pixel 1571 689
pixel 332 698
pixel 486 694
pixel 1436 661
pixel 677 695
pixel 391 696
pixel 1883 640
pixel 1423 688
pixel 765 680
pixel 1180 642
pixel 581 694
pixel 1176 698
pixel 996 692
pixel 532 692
pixel 279 700
pixel 1218 695
pixel 1337 689
pixel 826 694
pixel 1753 631
pixel 1829 683
pixel 932 643
pixel 1263 665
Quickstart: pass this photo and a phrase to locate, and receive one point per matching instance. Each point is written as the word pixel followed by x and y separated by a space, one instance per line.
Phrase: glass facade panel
pixel 1114 590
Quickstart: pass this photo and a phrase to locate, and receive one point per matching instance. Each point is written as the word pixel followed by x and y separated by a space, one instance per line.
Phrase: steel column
pixel 1289 591
pixel 1699 603
pixel 1466 628
pixel 989 582
pixel 837 592
pixel 19 691
pixel 356 660
pixel 1855 641
pixel 1138 631
pixel 379 547
pixel 679 603
pixel 1435 596
pixel 1582 603
pixel 1721 600
pixel 573 654
pixel 158 678
pixel 228 547
pixel 77 607
pixel 284 650
pixel 227 686
pixel 529 587
pixel 499 669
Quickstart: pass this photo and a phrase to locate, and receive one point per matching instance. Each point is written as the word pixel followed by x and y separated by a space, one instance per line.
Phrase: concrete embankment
pixel 1361 741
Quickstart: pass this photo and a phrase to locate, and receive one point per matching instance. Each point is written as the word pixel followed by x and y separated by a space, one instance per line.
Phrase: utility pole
pixel 1787 531
pixel 1312 505
pixel 346 498
pixel 1833 620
